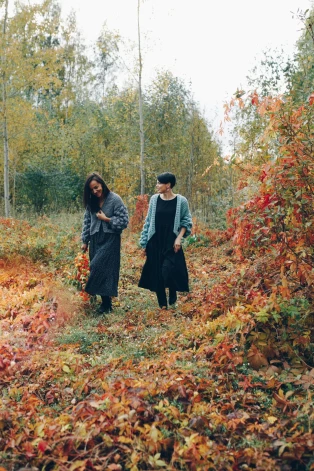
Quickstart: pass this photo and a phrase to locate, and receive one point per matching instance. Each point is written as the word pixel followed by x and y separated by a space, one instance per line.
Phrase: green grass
pixel 126 333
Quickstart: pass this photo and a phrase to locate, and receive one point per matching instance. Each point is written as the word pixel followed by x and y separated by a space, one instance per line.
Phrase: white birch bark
pixel 140 97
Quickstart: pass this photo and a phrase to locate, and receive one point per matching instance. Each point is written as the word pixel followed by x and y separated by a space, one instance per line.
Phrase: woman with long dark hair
pixel 168 220
pixel 105 218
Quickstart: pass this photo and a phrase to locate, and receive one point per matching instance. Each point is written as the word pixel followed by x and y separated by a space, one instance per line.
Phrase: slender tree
pixel 106 60
pixel 140 104
pixel 4 113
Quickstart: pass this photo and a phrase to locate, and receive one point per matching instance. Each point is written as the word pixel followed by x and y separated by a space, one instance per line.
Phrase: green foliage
pixel 295 309
pixel 44 191
pixel 303 76
pixel 197 240
pixel 288 320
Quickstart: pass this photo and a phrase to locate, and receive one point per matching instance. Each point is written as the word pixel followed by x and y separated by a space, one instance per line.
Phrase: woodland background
pixel 69 113
pixel 225 381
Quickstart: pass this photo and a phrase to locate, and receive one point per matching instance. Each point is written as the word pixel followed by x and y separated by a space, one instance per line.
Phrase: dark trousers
pixel 162 297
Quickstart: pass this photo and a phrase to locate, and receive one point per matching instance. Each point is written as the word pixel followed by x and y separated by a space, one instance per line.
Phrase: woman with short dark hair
pixel 168 220
pixel 105 218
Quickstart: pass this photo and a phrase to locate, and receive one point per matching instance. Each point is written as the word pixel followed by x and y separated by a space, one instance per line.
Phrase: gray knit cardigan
pixel 114 209
pixel 182 218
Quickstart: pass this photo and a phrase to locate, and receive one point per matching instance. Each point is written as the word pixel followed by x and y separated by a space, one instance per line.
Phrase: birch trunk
pixel 140 107
pixel 4 117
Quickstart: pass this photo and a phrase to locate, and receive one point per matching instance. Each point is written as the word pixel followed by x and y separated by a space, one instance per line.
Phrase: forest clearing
pixel 224 381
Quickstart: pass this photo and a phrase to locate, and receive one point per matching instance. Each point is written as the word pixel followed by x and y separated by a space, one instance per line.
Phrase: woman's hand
pixel 101 215
pixel 177 244
pixel 84 247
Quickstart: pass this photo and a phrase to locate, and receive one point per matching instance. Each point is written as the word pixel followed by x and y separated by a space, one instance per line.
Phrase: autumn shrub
pixel 277 223
pixel 138 217
pixel 203 237
pixel 280 218
pixel 283 329
pixel 78 277
pixel 42 240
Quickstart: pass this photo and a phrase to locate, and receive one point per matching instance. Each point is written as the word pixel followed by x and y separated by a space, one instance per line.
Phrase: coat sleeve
pixel 120 218
pixel 144 233
pixel 185 217
pixel 86 227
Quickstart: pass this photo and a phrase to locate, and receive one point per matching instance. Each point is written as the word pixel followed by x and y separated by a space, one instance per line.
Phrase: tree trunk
pixel 140 107
pixel 190 172
pixel 4 117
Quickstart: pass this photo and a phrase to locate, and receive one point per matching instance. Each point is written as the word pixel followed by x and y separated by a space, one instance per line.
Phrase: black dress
pixel 163 267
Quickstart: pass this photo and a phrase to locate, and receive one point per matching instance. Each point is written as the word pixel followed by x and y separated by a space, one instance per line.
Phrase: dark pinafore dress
pixel 104 254
pixel 163 267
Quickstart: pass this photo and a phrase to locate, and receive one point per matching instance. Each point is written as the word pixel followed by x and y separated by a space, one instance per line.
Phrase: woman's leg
pixel 172 296
pixel 162 298
pixel 106 305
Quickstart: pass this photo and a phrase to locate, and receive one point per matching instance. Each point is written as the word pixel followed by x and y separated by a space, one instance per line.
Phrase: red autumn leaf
pixel 254 99
pixel 311 99
pixel 42 446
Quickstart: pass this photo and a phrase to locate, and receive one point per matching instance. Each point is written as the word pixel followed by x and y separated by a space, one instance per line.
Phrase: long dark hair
pixel 90 201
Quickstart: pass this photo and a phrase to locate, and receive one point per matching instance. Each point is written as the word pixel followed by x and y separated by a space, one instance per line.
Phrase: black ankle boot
pixel 162 299
pixel 106 305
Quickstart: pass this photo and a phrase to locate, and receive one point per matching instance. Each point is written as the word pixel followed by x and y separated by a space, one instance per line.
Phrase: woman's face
pixel 96 188
pixel 162 187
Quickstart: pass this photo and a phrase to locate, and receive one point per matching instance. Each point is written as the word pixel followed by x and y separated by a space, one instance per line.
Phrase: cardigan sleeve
pixel 86 227
pixel 120 218
pixel 185 217
pixel 144 233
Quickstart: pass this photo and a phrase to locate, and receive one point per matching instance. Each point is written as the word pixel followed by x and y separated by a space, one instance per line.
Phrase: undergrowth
pixel 223 382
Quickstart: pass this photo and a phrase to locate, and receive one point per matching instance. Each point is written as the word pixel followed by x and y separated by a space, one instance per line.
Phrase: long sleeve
pixel 185 217
pixel 120 218
pixel 144 233
pixel 86 227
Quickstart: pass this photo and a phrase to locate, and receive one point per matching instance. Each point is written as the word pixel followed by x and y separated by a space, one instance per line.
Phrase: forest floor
pixel 140 388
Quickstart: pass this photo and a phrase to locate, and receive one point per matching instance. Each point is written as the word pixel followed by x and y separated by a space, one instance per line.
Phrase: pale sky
pixel 210 44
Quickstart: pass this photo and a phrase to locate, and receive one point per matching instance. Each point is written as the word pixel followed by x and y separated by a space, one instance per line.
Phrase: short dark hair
pixel 90 201
pixel 167 177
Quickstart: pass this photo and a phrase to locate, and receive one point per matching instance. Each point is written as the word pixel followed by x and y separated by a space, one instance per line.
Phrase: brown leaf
pixel 198 423
pixel 114 467
pixel 256 358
